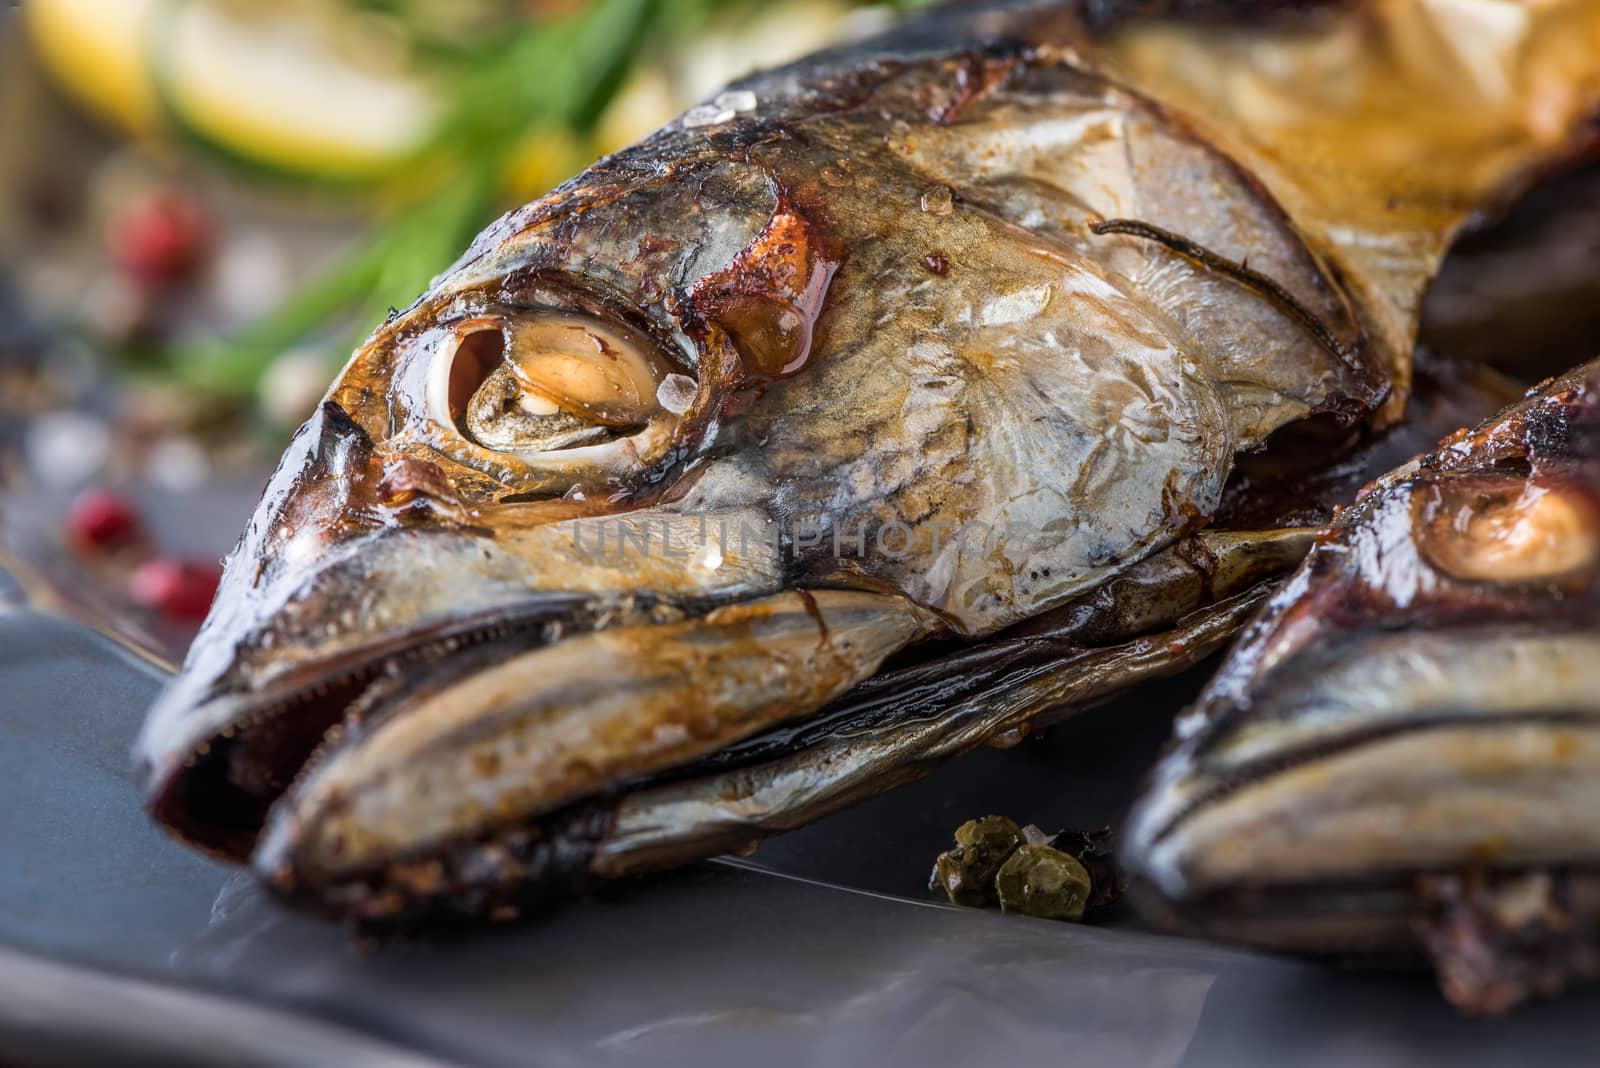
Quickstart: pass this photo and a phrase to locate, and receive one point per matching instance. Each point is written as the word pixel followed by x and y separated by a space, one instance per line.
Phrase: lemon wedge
pixel 268 87
pixel 95 50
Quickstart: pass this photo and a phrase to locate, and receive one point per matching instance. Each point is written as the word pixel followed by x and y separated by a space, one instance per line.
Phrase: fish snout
pixel 1399 756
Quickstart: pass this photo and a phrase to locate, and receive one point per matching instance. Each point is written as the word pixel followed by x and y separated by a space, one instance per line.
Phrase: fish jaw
pixel 453 776
pixel 1475 749
pixel 1421 703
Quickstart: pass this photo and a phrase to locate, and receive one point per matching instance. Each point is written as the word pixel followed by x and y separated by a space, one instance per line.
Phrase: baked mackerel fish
pixel 1402 756
pixel 879 408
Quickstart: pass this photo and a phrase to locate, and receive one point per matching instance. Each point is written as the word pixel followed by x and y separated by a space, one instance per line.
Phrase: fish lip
pixel 172 768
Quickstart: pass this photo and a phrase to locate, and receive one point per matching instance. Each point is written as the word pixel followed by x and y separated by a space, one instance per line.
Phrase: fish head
pixel 688 447
pixel 503 463
pixel 1420 704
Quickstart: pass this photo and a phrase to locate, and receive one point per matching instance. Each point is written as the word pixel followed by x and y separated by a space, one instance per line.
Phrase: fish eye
pixel 547 381
pixel 1487 531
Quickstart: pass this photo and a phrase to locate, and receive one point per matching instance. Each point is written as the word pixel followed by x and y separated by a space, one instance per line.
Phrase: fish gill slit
pixel 1256 282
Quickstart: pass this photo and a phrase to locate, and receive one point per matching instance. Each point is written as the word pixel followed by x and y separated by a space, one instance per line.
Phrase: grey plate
pixel 116 943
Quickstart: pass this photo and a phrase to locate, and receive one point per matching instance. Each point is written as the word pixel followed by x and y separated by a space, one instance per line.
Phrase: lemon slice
pixel 279 91
pixel 272 88
pixel 95 50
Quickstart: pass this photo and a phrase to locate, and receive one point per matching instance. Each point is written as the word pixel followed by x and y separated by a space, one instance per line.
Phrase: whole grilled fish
pixel 949 340
pixel 1403 753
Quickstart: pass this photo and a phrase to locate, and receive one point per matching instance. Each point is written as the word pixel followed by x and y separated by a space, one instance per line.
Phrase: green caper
pixel 994 833
pixel 966 873
pixel 1038 880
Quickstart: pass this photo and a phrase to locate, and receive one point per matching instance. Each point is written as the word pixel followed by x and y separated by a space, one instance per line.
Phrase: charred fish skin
pixel 1403 752
pixel 938 284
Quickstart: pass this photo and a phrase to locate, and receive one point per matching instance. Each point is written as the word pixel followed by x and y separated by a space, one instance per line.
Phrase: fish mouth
pixel 241 750
pixel 351 774
pixel 1308 824
pixel 1351 891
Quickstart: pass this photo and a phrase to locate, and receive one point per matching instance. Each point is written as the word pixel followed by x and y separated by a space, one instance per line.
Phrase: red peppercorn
pixel 178 589
pixel 101 519
pixel 160 238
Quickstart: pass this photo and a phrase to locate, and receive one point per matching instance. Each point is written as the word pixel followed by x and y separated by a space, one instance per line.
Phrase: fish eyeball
pixel 587 368
pixel 549 380
pixel 1485 531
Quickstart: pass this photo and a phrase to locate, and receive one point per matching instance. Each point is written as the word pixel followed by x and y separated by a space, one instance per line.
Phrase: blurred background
pixel 205 204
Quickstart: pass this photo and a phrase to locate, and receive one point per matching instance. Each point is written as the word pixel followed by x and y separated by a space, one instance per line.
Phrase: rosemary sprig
pixel 552 74
pixel 557 73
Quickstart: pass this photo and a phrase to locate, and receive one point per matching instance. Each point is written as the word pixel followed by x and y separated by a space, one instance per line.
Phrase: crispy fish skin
pixel 1403 752
pixel 967 280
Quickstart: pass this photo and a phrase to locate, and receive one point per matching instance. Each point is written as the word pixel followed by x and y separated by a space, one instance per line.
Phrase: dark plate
pixel 117 945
